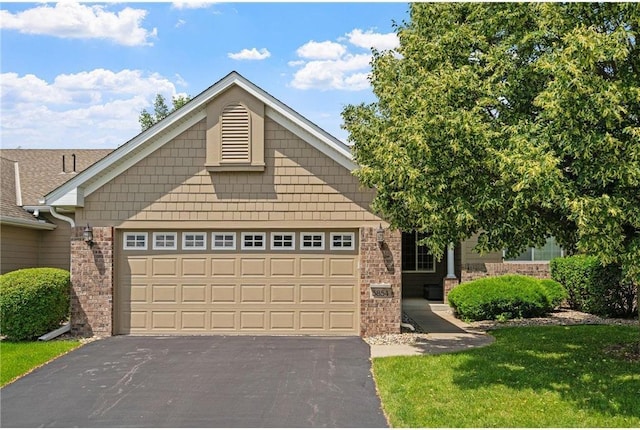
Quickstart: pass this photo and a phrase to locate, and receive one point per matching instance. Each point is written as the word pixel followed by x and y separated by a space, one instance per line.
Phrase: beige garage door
pixel 235 292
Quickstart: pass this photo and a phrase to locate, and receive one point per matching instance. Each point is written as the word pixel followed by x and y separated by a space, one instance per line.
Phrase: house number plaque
pixel 381 291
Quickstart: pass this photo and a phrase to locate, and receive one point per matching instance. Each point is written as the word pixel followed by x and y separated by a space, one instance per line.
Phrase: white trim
pixel 224 233
pixel 73 192
pixel 451 271
pixel 165 233
pixel 19 222
pixel 18 187
pixel 342 248
pixel 283 248
pixel 194 248
pixel 312 248
pixel 114 164
pixel 253 233
pixel 135 247
pixel 314 138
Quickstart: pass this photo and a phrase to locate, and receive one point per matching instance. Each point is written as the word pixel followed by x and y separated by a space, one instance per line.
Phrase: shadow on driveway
pixel 200 381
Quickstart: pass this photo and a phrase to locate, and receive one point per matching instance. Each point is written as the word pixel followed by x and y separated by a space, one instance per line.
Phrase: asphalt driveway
pixel 200 381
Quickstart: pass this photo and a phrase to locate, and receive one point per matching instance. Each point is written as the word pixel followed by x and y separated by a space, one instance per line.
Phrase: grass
pixel 19 358
pixel 557 376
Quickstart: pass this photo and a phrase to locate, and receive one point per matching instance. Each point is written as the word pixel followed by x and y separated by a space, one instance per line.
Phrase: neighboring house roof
pixel 73 192
pixel 10 193
pixel 29 174
pixel 41 170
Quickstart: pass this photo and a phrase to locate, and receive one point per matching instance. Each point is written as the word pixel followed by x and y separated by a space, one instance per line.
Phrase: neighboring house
pixel 30 235
pixel 236 215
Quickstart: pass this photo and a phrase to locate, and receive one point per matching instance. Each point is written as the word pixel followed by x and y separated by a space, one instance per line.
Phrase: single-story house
pixel 236 215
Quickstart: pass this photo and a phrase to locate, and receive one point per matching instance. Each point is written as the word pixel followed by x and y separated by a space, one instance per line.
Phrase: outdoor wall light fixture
pixel 87 235
pixel 380 235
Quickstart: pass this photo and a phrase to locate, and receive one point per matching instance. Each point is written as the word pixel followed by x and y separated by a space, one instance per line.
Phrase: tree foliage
pixel 161 110
pixel 516 120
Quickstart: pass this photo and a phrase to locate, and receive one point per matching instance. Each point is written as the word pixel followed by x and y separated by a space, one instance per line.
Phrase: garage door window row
pixel 226 241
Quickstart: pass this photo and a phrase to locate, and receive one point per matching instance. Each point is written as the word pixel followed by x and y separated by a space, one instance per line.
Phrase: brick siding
pixel 472 272
pixel 380 264
pixel 92 283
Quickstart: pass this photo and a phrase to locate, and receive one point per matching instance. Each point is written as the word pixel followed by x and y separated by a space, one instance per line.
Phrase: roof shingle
pixel 41 170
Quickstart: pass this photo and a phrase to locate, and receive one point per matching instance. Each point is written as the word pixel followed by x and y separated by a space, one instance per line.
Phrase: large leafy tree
pixel 516 120
pixel 161 110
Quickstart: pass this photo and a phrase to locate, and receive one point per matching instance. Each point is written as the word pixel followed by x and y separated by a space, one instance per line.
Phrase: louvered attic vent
pixel 236 139
pixel 235 133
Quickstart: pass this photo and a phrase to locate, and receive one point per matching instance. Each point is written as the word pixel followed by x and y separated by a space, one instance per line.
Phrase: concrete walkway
pixel 445 333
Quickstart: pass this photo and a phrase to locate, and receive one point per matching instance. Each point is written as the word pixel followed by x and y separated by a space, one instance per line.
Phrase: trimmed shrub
pixel 33 302
pixel 594 288
pixel 555 292
pixel 505 297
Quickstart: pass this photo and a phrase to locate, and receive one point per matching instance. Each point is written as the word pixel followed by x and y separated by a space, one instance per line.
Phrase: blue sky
pixel 77 75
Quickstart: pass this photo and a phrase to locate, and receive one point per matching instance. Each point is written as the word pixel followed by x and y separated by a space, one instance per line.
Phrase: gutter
pixel 19 222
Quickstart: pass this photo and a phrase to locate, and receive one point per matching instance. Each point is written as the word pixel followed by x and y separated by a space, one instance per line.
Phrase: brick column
pixel 449 284
pixel 380 265
pixel 92 283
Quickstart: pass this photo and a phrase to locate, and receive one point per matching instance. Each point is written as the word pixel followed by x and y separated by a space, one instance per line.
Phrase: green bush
pixel 33 302
pixel 594 288
pixel 505 297
pixel 556 293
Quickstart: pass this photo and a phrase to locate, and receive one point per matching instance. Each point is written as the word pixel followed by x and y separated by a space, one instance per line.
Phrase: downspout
pixel 61 217
pixel 67 327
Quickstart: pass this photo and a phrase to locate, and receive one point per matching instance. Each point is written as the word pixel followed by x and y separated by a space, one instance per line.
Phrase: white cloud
pixel 337 66
pixel 191 4
pixel 326 50
pixel 91 109
pixel 78 21
pixel 250 54
pixel 180 23
pixel 369 40
pixel 343 74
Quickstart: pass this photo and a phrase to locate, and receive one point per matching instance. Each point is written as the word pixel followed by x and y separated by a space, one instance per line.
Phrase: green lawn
pixel 530 377
pixel 18 358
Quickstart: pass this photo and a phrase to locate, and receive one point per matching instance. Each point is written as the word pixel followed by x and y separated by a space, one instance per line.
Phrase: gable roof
pixel 72 193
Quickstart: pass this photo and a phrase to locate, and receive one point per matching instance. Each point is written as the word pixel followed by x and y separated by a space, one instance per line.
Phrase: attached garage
pixel 233 215
pixel 234 282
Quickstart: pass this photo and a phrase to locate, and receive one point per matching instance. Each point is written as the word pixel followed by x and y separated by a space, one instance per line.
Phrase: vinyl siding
pixel 299 185
pixel 18 248
pixel 55 247
pixel 472 258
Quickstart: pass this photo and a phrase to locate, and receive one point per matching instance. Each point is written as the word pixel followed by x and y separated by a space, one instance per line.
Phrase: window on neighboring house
pixel 342 241
pixel 164 240
pixel 194 241
pixel 415 257
pixel 135 241
pixel 253 240
pixel 283 241
pixel 547 252
pixel 312 241
pixel 223 241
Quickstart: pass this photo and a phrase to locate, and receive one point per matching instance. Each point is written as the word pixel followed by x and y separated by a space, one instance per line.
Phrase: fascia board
pixel 70 193
pixel 108 168
pixel 130 147
pixel 299 125
pixel 17 222
pixel 130 161
pixel 335 153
